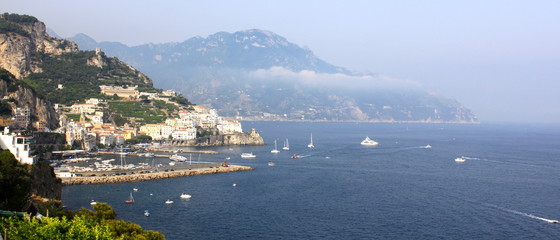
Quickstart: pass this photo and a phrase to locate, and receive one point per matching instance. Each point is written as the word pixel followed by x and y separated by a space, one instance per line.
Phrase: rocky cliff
pixel 19 95
pixel 22 40
pixel 249 138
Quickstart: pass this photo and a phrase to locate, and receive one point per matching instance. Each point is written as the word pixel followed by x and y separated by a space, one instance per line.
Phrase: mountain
pixel 256 74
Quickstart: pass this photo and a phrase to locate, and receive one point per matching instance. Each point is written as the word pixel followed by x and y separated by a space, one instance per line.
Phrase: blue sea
pixel 508 188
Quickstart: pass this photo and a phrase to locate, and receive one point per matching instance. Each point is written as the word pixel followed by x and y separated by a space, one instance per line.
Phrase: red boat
pixel 130 199
pixel 294 156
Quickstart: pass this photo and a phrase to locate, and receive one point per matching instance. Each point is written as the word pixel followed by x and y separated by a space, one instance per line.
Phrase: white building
pixel 18 145
pixel 184 134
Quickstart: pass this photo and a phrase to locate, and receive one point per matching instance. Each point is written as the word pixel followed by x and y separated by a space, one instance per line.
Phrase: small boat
pixel 428 146
pixel 275 150
pixel 93 202
pixel 146 213
pixel 235 185
pixel 135 189
pixel 369 142
pixel 248 155
pixel 168 202
pixel 294 156
pixel 271 164
pixel 460 159
pixel 310 145
pixel 286 145
pixel 171 163
pixel 185 196
pixel 149 154
pixel 130 199
pixel 178 158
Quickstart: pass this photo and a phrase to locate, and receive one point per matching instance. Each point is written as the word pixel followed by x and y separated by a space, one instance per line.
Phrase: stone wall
pixel 153 176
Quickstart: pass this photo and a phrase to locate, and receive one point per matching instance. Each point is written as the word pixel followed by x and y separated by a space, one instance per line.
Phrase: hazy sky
pixel 501 59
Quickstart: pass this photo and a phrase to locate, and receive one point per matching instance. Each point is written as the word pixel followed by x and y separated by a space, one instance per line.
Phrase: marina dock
pixel 162 173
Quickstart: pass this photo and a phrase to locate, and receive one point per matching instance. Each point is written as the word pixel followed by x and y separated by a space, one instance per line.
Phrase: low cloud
pixel 335 80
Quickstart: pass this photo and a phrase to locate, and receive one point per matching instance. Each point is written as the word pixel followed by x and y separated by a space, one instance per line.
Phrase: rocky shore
pixel 153 176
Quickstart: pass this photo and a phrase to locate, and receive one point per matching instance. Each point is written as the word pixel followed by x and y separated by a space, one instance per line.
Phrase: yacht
pixel 310 145
pixel 369 142
pixel 130 199
pixel 185 196
pixel 248 155
pixel 168 202
pixel 178 158
pixel 460 159
pixel 275 150
pixel 286 145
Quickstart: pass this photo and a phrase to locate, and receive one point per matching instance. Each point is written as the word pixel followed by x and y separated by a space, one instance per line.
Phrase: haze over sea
pixel 507 188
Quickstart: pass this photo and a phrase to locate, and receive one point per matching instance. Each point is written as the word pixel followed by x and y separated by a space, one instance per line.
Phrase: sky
pixel 501 59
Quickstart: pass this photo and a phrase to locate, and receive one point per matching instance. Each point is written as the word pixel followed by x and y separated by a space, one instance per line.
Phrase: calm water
pixel 507 189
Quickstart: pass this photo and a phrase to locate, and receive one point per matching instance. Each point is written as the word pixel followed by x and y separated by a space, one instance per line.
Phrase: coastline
pixel 153 176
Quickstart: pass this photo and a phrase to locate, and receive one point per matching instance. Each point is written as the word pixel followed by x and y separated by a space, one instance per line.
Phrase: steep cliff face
pixel 21 44
pixel 21 96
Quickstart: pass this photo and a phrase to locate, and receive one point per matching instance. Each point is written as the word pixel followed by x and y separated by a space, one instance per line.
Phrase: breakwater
pixel 153 175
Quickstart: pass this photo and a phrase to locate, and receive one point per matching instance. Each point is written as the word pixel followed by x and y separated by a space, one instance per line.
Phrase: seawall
pixel 153 176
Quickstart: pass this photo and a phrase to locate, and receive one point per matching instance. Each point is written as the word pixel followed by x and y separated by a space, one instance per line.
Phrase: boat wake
pixel 524 214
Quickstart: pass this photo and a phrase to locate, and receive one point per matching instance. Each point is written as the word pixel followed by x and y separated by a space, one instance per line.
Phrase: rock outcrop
pixel 250 138
pixel 19 49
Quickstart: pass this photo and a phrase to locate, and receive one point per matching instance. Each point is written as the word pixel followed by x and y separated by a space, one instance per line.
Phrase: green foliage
pixel 15 182
pixel 150 114
pixel 17 18
pixel 5 108
pixel 79 79
pixel 140 139
pixel 11 23
pixel 55 228
pixel 54 208
pixel 104 211
pixel 75 117
pixel 119 120
pixel 181 100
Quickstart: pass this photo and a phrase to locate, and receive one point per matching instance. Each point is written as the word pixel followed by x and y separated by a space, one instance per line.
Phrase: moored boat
pixel 248 155
pixel 185 196
pixel 130 199
pixel 369 142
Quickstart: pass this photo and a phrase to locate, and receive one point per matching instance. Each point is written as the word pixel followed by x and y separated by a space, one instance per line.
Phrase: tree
pixel 15 182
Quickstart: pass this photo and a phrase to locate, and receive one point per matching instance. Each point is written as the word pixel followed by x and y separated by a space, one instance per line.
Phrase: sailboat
pixel 286 145
pixel 310 145
pixel 130 199
pixel 275 150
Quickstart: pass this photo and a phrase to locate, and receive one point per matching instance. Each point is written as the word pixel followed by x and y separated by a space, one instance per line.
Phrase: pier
pixel 146 175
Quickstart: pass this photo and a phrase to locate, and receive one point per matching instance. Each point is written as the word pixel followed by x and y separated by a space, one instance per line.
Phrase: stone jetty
pixel 153 175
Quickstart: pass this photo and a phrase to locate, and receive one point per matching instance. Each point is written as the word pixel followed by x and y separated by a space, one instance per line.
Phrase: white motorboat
pixel 146 213
pixel 310 145
pixel 248 155
pixel 271 164
pixel 178 158
pixel 93 202
pixel 185 196
pixel 286 145
pixel 275 150
pixel 369 142
pixel 168 202
pixel 460 159
pixel 135 189
pixel 428 146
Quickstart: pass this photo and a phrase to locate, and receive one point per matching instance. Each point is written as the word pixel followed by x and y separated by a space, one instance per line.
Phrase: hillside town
pixel 93 130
